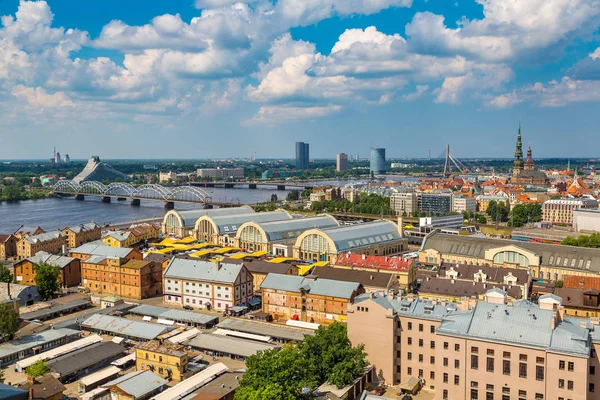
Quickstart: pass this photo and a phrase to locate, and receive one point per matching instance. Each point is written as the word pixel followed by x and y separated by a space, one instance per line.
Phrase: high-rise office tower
pixel 341 162
pixel 378 160
pixel 302 155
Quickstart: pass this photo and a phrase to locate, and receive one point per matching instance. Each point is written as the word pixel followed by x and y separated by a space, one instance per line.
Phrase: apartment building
pixel 50 242
pixel 406 204
pixel 70 269
pixel 135 279
pixel 461 204
pixel 205 284
pixel 479 350
pixel 308 299
pixel 132 236
pixel 220 173
pixel 483 201
pixel 165 359
pixel 8 246
pixel 260 269
pixel 81 234
pixel 561 211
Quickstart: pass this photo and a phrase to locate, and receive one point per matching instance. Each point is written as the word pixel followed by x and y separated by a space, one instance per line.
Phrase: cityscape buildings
pixel 341 162
pixel 377 161
pixel 302 155
pixel 220 173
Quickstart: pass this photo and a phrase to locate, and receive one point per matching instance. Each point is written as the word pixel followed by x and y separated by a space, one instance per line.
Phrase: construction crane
pixel 453 161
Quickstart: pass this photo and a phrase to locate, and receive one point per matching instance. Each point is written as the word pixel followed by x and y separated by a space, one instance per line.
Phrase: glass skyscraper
pixel 378 161
pixel 302 155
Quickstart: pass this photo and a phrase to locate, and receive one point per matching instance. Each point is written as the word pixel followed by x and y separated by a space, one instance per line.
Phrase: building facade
pixel 308 299
pixel 436 203
pixel 50 242
pixel 377 161
pixel 133 279
pixel 478 350
pixel 341 162
pixel 584 220
pixel 403 269
pixel 406 204
pixel 373 238
pixel 81 234
pixel 132 236
pixel 70 269
pixel 220 173
pixel 8 246
pixel 167 360
pixel 561 211
pixel 181 223
pixel 205 284
pixel 462 204
pixel 524 172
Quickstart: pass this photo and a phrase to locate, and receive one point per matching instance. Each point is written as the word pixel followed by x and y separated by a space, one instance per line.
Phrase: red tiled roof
pixel 375 262
pixel 581 282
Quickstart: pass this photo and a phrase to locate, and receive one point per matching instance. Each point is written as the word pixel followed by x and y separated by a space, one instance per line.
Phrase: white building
pixel 206 284
pixel 220 173
pixel 167 176
pixel 587 220
pixel 462 203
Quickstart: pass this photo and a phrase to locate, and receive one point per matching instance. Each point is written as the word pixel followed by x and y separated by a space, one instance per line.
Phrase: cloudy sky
pixel 217 78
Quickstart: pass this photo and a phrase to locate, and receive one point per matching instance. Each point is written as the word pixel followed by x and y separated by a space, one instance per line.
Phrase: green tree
pixel 296 370
pixel 46 280
pixel 6 276
pixel 526 213
pixel 36 369
pixel 569 241
pixel 8 320
pixel 293 195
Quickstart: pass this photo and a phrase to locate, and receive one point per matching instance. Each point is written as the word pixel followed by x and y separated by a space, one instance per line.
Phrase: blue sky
pixel 216 78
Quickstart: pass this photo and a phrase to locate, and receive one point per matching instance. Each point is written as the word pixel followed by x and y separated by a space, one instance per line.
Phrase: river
pixel 56 213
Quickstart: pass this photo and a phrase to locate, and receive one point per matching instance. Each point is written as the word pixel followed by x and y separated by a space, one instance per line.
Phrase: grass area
pixel 492 231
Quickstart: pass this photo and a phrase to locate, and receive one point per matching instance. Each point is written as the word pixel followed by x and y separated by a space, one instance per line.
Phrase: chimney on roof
pixel 401 226
pixel 218 265
pixel 371 277
pixel 364 257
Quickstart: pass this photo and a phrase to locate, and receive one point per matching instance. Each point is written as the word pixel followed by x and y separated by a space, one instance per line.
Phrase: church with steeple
pixel 524 172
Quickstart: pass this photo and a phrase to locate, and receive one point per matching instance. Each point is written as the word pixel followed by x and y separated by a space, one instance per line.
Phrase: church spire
pixel 518 164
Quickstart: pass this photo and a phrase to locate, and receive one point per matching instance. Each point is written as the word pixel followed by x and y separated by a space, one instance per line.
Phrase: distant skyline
pixel 201 79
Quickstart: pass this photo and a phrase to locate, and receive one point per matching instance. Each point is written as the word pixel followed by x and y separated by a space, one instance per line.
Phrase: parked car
pixel 188 308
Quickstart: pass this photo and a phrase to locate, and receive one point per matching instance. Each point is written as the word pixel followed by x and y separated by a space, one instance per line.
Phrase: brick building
pixel 70 269
pixel 50 242
pixel 81 234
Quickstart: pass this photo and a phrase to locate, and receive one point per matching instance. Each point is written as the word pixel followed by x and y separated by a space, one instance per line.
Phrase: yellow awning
pixel 217 259
pixel 186 240
pixel 166 242
pixel 256 254
pixel 304 269
pixel 280 260
pixel 167 250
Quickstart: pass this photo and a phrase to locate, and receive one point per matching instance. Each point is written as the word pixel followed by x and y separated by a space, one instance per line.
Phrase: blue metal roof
pixel 289 229
pixel 350 237
pixel 138 383
pixel 230 223
pixel 324 287
pixel 176 315
pixel 205 271
pixel 125 327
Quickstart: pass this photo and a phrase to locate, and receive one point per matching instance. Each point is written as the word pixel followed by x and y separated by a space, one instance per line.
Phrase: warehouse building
pixel 181 223
pixel 86 360
pixel 373 238
pixel 117 326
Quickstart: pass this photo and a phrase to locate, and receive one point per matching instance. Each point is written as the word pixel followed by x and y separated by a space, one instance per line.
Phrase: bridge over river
pixel 135 194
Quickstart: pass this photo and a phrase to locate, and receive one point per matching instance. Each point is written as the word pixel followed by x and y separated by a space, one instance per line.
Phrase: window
pixel 506 367
pixel 522 370
pixel 569 385
pixel 397 368
pixel 591 388
pixel 539 360
pixel 571 366
pixel 474 384
pixel 432 375
pixel 474 394
pixel 457 347
pixel 409 371
pixel 432 344
pixel 474 362
pixel 456 364
pixel 432 329
pixel 489 395
pixel 420 327
pixel 420 373
pixel 445 394
pixel 561 383
pixel 523 393
pixel 409 355
pixel 522 357
pixel 489 367
pixel 409 340
pixel 490 352
pixel 410 326
pixel 432 360
pixel 456 380
pixel 445 362
pixel 445 345
pixel 505 397
pixel 489 387
pixel 539 396
pixel 420 342
pixel 475 350
pixel 561 364
pixel 421 358
pixel 505 390
pixel 592 370
pixel 397 353
pixel 539 373
pixel 445 380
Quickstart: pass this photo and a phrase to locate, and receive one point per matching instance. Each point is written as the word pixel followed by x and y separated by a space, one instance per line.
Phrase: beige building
pixel 26 231
pixel 205 284
pixel 50 242
pixel 405 204
pixel 132 236
pixel 482 350
pixel 561 211
pixel 373 238
pixel 260 269
pixel 256 236
pixel 165 359
pixel 8 246
pixel 80 234
pixel 543 261
pixel 222 229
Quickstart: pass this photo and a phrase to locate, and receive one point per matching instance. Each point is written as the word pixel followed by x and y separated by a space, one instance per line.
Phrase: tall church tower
pixel 518 164
pixel 529 164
